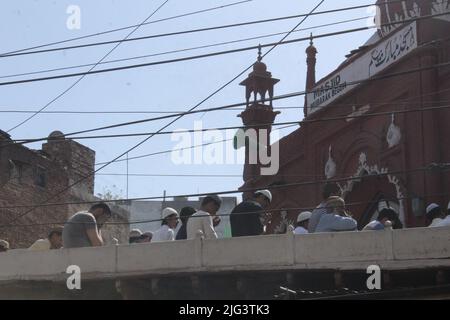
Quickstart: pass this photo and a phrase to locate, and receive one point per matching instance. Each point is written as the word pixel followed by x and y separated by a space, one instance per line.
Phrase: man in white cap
pixel 434 215
pixel 448 209
pixel 168 225
pixel 245 219
pixel 205 219
pixel 302 223
pixel 445 222
pixel 135 235
pixel 4 245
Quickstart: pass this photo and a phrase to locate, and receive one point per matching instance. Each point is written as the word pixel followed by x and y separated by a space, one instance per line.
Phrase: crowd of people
pixel 249 218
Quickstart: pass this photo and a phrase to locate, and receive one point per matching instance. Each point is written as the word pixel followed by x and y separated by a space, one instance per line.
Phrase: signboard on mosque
pixel 373 62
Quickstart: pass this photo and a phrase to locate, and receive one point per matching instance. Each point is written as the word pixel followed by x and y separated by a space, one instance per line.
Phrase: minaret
pixel 311 53
pixel 259 113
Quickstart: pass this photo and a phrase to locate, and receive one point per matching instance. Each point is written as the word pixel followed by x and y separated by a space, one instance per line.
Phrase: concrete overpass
pixel 247 267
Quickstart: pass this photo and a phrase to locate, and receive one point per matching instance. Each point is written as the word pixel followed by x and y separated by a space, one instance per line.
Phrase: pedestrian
pixel 4 245
pixel 434 215
pixel 445 222
pixel 135 236
pixel 147 236
pixel 302 222
pixel 448 209
pixel 53 241
pixel 185 213
pixel 336 217
pixel 329 190
pixel 83 229
pixel 387 218
pixel 245 219
pixel 169 223
pixel 205 219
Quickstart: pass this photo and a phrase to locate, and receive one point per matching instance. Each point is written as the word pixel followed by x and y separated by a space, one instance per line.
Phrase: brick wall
pixel 29 177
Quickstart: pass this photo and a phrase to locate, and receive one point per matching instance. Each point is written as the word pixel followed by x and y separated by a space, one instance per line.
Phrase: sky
pixel 167 87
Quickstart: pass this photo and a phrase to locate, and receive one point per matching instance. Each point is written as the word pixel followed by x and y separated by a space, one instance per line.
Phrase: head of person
pixel 170 217
pixel 55 238
pixel 387 214
pixel 211 204
pixel 101 212
pixel 146 236
pixel 433 211
pixel 4 245
pixel 263 197
pixel 336 205
pixel 185 213
pixel 331 189
pixel 303 219
pixel 135 235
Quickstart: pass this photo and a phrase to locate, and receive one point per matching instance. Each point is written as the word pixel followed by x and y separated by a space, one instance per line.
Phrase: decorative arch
pixel 365 167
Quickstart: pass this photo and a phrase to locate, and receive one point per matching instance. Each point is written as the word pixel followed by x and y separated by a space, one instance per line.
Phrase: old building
pixel 33 177
pixel 378 139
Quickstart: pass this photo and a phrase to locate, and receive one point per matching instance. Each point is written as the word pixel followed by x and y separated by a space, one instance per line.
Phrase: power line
pixel 181 50
pixel 125 28
pixel 168 124
pixel 430 167
pixel 181 32
pixel 218 53
pixel 124 135
pixel 374 78
pixel 126 109
pixel 277 210
pixel 83 75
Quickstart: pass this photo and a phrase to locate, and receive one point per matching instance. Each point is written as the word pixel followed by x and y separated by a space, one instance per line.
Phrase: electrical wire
pixel 125 28
pixel 165 126
pixel 181 32
pixel 431 167
pixel 218 53
pixel 82 76
pixel 181 50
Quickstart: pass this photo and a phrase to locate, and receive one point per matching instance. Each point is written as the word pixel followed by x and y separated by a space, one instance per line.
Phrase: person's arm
pixel 343 223
pixel 94 237
pixel 170 235
pixel 315 218
pixel 208 228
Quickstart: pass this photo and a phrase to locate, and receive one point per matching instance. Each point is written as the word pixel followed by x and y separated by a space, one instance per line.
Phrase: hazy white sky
pixel 177 86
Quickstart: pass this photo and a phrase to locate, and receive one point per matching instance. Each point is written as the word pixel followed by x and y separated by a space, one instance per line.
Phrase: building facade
pixel 33 177
pixel 383 139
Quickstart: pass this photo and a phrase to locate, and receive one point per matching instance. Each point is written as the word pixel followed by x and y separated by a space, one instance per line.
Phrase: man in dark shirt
pixel 185 213
pixel 245 219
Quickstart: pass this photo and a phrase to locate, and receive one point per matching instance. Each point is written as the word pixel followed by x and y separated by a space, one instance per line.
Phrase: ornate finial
pixel 311 39
pixel 259 53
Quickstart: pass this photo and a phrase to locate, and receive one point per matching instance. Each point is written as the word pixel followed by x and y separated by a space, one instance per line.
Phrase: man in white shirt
pixel 205 219
pixel 169 223
pixel 434 215
pixel 445 222
pixel 302 222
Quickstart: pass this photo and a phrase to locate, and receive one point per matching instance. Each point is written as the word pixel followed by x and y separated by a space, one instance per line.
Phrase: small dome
pixel 311 50
pixel 259 67
pixel 56 135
